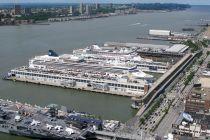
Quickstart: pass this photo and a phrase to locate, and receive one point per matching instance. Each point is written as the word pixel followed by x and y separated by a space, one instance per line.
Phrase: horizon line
pixel 102 3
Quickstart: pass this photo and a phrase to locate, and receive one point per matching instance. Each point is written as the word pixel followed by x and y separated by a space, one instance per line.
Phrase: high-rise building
pixel 23 11
pixel 81 8
pixel 87 10
pixel 97 6
pixel 71 10
pixel 28 11
pixel 18 10
pixel 111 5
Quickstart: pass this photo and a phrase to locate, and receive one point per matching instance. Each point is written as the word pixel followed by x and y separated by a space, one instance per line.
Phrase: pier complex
pixel 112 68
pixel 115 68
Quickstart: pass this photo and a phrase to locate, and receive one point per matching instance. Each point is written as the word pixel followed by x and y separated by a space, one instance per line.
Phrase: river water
pixel 20 43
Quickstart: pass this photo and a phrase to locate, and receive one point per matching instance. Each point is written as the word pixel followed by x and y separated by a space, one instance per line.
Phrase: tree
pixel 142 120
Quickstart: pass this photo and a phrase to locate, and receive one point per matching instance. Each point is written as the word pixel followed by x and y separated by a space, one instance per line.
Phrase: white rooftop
pixel 179 48
pixel 138 45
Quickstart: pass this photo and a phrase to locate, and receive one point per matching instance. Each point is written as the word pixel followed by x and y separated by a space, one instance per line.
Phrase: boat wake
pixel 206 20
pixel 135 24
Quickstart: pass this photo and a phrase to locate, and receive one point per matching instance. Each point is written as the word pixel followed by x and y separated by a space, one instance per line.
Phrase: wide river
pixel 19 43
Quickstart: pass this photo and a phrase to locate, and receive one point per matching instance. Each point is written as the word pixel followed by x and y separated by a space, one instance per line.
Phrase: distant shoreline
pixel 84 18
pixel 116 10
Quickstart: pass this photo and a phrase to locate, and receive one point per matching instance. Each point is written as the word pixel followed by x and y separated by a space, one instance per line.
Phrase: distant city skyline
pixel 193 2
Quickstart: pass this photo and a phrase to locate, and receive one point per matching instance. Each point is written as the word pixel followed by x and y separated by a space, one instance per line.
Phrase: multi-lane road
pixel 165 126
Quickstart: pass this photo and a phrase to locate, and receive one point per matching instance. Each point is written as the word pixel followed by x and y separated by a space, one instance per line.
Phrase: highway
pixel 160 122
pixel 161 83
pixel 165 126
pixel 153 121
pixel 172 94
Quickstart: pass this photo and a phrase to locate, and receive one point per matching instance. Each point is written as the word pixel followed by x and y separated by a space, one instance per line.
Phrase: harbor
pixel 114 68
pixel 116 106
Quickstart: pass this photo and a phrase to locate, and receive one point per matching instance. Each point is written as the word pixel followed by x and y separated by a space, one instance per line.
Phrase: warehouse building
pixel 198 101
pixel 159 32
pixel 177 48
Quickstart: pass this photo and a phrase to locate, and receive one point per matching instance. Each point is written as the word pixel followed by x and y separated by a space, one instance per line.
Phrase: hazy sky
pixel 197 2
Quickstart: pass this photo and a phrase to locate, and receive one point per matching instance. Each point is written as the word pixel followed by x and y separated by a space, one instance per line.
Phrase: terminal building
pixel 153 50
pixel 159 32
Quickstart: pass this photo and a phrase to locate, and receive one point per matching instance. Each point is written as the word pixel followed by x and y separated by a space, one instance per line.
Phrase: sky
pixel 193 2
